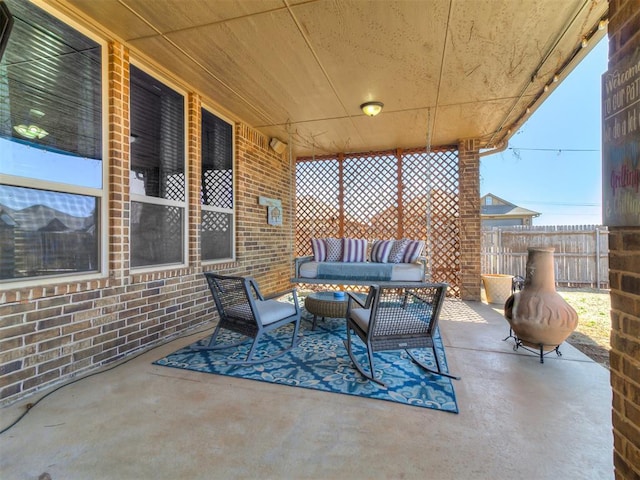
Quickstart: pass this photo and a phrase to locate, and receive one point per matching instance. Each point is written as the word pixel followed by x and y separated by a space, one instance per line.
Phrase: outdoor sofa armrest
pixel 299 261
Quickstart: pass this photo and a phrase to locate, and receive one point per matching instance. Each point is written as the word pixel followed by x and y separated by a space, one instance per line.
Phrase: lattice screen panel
pixel 216 235
pixel 430 206
pixel 361 196
pixel 173 185
pixel 370 196
pixel 318 209
pixel 217 188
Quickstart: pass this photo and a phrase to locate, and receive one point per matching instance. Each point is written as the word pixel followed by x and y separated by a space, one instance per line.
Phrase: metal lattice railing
pixel 384 195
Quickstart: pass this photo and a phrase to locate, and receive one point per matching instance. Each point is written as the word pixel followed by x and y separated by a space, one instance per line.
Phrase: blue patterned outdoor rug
pixel 320 362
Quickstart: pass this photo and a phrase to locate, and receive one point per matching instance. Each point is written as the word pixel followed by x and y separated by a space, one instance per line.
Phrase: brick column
pixel 624 278
pixel 469 172
pixel 119 162
pixel 194 176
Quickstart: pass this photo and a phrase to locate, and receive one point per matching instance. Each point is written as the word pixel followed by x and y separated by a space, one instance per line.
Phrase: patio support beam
pixel 341 194
pixel 400 194
pixel 118 162
pixel 194 166
pixel 469 177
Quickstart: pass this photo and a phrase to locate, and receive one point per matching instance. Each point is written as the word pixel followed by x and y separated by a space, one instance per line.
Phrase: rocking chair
pixel 399 317
pixel 244 310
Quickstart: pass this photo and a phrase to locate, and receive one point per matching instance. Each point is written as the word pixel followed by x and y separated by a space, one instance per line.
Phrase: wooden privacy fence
pixel 581 252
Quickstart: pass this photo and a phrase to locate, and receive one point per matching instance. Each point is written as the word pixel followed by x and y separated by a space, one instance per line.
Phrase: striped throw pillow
pixel 334 249
pixel 380 251
pixel 354 250
pixel 413 251
pixel 396 255
pixel 319 248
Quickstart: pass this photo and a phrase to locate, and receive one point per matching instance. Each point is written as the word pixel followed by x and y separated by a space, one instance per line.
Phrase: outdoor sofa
pixel 349 261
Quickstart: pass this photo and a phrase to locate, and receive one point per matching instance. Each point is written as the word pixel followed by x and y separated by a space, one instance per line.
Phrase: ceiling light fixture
pixel 372 108
pixel 30 131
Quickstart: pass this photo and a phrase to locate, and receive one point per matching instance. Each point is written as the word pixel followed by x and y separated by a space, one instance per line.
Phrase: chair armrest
pixel 356 299
pixel 293 291
pixel 367 301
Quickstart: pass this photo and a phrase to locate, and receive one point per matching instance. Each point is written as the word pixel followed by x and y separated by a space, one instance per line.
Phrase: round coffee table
pixel 325 304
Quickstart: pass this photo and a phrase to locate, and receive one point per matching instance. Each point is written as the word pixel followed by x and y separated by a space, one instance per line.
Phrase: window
pixel 217 236
pixel 157 178
pixel 51 171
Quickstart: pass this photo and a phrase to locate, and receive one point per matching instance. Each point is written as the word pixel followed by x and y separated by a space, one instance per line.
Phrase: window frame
pixel 101 194
pixel 135 197
pixel 210 208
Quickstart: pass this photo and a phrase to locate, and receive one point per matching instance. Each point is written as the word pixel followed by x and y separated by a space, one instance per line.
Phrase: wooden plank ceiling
pixel 299 69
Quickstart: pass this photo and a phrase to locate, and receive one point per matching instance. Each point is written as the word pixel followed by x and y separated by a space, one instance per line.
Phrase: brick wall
pixel 624 276
pixel 470 244
pixel 267 249
pixel 52 332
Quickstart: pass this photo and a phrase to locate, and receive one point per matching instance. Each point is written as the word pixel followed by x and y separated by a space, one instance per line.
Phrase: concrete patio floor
pixel 518 419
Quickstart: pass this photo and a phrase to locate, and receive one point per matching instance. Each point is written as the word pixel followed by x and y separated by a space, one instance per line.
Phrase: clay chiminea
pixel 538 315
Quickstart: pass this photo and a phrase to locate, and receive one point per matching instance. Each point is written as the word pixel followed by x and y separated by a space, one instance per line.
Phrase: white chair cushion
pixel 361 317
pixel 272 310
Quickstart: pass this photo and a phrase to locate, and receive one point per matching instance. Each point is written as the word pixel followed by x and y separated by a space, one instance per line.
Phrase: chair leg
pixel 250 361
pixel 430 370
pixel 347 344
pixel 294 340
pixel 214 335
pixel 212 342
pixel 372 369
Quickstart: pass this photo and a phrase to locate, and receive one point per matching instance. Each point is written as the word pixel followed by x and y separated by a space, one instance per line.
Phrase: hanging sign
pixel 274 210
pixel 621 143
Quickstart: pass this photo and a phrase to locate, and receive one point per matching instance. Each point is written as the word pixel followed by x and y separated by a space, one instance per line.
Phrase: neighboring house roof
pixel 502 208
pixel 6 219
pixel 43 218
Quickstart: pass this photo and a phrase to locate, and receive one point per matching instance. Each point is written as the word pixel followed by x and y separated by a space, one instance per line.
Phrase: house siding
pixel 50 333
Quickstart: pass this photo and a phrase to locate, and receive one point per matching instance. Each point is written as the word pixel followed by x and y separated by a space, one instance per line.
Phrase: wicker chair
pixel 399 317
pixel 244 310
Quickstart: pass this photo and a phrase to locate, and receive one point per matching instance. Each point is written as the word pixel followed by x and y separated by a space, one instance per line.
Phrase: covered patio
pixel 517 418
pixel 163 132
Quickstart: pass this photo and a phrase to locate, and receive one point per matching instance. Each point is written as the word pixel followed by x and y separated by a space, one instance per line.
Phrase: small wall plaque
pixel 274 216
pixel 274 210
pixel 269 202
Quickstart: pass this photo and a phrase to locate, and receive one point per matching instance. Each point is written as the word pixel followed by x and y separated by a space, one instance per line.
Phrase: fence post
pixel 597 257
pixel 500 252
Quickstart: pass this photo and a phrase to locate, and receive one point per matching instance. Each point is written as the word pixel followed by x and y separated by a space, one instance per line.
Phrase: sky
pixel 553 163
